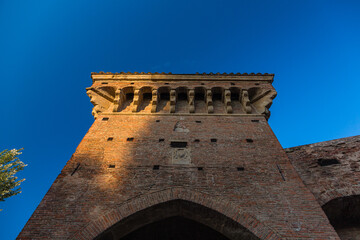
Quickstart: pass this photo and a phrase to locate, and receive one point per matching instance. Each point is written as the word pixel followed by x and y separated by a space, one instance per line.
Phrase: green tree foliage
pixel 10 164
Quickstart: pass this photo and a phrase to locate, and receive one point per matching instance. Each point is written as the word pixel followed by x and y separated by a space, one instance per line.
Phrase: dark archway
pixel 344 215
pixel 176 219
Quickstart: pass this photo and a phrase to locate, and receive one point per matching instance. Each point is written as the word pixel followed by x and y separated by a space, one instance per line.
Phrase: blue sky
pixel 48 49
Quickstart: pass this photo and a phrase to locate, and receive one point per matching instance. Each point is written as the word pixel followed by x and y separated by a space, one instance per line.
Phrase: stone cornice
pixel 101 76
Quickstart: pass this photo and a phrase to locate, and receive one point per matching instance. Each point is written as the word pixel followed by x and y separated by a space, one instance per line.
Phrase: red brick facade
pixel 202 139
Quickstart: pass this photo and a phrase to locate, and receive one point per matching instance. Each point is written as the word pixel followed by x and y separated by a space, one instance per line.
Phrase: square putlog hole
pixel 110 139
pixel 130 139
pixel 213 140
pixel 249 140
pixel 112 166
pixel 105 119
pixel 176 144
pixel 156 167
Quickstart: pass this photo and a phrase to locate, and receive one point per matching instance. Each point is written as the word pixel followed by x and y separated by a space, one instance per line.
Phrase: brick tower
pixel 179 156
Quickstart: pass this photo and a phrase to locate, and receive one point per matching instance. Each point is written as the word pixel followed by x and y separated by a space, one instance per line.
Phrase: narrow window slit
pixel 130 139
pixel 255 120
pixel 327 162
pixel 198 121
pixel 178 144
pixel 105 119
pixel 240 168
pixel 157 121
pixel 249 140
pixel 104 83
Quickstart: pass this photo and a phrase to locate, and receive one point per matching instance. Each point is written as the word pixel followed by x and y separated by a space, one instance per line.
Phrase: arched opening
pixel 127 99
pixel 176 219
pixel 163 105
pixel 200 104
pixel 344 215
pixel 182 101
pixel 145 99
pixel 218 100
pixel 235 100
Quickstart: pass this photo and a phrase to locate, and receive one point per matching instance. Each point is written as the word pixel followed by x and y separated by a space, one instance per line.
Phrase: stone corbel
pixel 245 101
pixel 154 100
pixel 209 102
pixel 172 100
pixel 136 101
pixel 191 96
pixel 262 101
pixel 227 101
pixel 101 99
pixel 118 100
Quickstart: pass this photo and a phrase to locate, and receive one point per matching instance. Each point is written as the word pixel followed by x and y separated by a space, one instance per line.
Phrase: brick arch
pixel 332 194
pixel 142 202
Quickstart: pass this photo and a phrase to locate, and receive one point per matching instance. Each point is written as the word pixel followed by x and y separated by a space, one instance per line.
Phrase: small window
pixel 240 168
pixel 161 139
pixel 156 167
pixel 132 83
pixel 202 83
pixel 200 168
pixel 178 144
pixel 198 121
pixel 197 140
pixel 130 139
pixel 213 140
pixel 111 166
pixel 254 120
pixel 157 121
pixel 327 162
pixel 105 119
pixel 249 140
pixel 110 139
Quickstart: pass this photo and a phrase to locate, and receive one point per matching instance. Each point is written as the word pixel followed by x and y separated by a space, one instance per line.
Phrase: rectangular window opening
pixel 198 121
pixel 200 168
pixel 110 139
pixel 327 162
pixel 249 140
pixel 254 120
pixel 130 139
pixel 104 83
pixel 156 167
pixel 105 119
pixel 111 166
pixel 240 168
pixel 157 121
pixel 178 144
pixel 161 139
pixel 213 140
pixel 197 140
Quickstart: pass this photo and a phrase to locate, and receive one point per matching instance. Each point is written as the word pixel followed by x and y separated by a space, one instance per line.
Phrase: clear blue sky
pixel 48 49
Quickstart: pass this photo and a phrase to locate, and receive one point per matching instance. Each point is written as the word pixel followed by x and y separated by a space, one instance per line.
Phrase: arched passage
pixel 176 219
pixel 204 201
pixel 344 215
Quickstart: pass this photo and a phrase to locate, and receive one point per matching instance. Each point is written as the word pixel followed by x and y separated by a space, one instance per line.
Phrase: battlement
pixel 161 93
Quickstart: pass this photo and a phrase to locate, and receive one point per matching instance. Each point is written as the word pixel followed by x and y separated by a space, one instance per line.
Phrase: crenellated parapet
pixel 132 93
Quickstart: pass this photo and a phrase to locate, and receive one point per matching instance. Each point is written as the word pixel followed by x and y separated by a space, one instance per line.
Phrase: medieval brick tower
pixel 179 156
